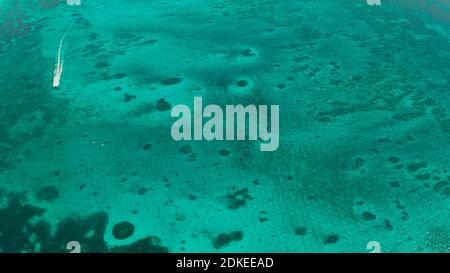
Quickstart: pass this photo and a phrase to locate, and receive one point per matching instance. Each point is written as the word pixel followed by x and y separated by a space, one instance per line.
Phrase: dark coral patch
pixel 128 98
pixel 163 105
pixel 412 167
pixel 142 190
pixel 242 83
pixel 224 152
pixel 248 52
pixel 186 149
pixel 394 159
pixel 224 239
pixel 119 75
pixel 171 81
pixel 15 229
pixel 192 197
pixel 150 244
pixel 331 239
pixel 446 192
pixel 300 231
pixel 368 216
pixel 423 176
pixel 146 146
pixel 238 198
pixel 123 230
pixel 48 194
pixel 88 230
pixel 23 230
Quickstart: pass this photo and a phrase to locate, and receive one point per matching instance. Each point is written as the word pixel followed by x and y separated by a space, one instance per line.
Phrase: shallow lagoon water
pixel 364 126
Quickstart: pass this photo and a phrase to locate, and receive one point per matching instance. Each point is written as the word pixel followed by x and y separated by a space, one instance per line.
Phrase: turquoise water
pixel 364 105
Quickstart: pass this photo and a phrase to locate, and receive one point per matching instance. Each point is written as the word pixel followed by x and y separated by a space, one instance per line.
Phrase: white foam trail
pixel 59 64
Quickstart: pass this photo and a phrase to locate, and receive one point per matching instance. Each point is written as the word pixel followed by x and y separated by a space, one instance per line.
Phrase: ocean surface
pixel 364 97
